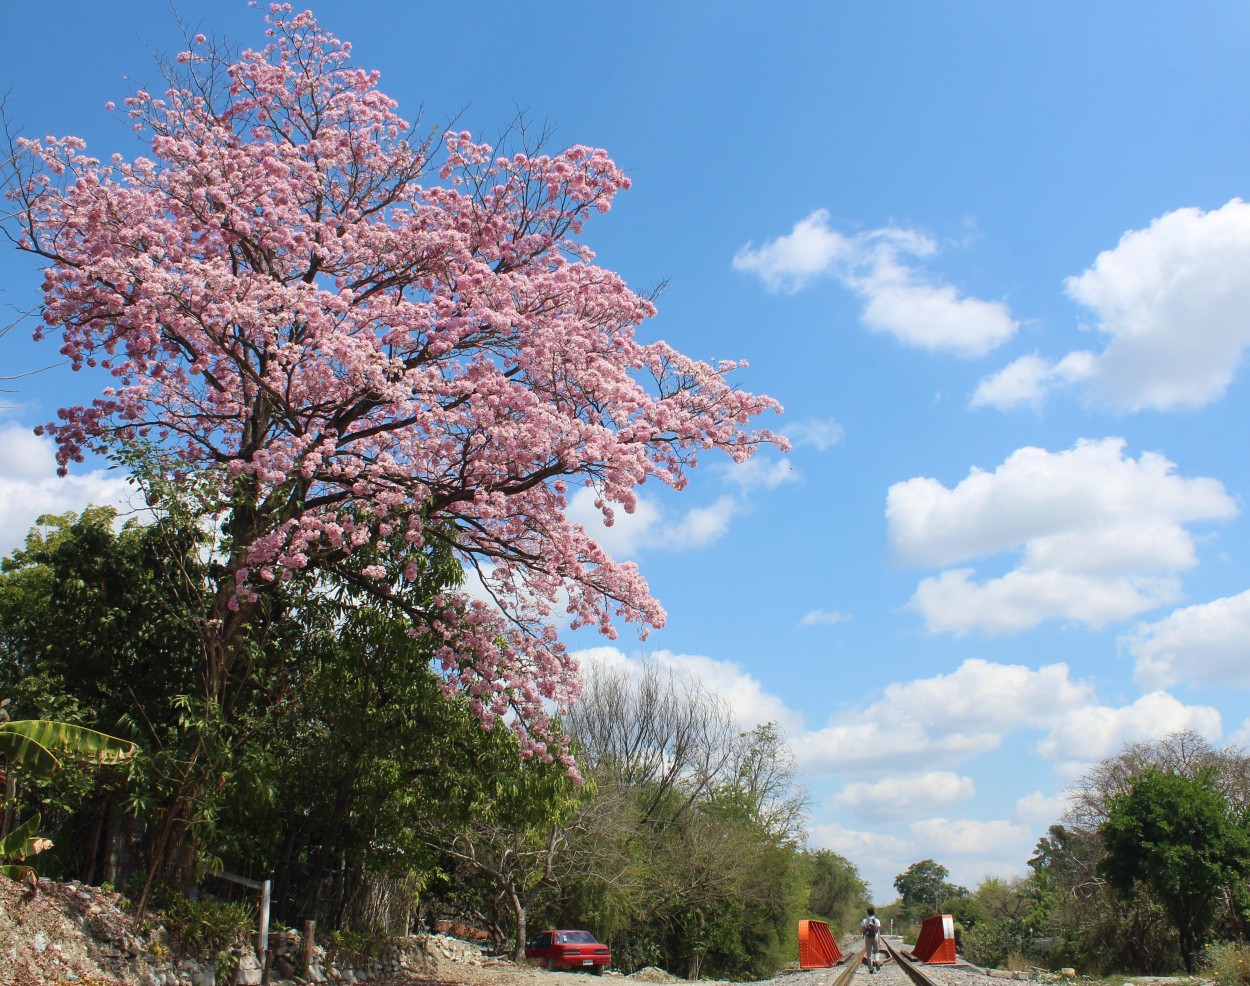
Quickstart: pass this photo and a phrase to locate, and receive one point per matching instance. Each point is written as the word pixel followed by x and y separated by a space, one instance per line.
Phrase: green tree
pixel 96 630
pixel 836 891
pixel 924 890
pixel 1179 836
pixel 517 834
pixel 998 919
pixel 709 878
pixel 335 737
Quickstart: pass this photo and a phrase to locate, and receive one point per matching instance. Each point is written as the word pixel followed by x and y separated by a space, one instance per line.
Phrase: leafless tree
pixel 658 733
pixel 1182 752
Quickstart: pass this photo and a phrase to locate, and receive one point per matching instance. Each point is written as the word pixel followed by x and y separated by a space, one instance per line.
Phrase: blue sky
pixel 991 257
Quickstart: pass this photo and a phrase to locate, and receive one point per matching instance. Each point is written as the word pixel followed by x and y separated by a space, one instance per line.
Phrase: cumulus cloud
pixel 1094 732
pixel 955 602
pixel 1173 303
pixel 701 526
pixel 973 849
pixel 1099 536
pixel 1038 809
pixel 969 837
pixel 1028 380
pixel 1205 644
pixel 29 486
pixel 1003 846
pixel 741 690
pixel 935 723
pixel 821 434
pixel 901 795
pixel 900 297
pixel 855 844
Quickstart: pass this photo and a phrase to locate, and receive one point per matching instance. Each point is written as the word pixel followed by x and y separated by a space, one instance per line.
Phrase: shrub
pixel 207 928
pixel 1230 963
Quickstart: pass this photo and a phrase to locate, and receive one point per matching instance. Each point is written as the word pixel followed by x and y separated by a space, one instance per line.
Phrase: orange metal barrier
pixel 817 949
pixel 936 944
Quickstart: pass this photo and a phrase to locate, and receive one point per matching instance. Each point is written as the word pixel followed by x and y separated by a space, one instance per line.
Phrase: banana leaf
pixel 22 842
pixel 36 744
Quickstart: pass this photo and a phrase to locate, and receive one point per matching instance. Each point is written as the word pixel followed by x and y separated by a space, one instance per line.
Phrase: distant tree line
pixel 1148 872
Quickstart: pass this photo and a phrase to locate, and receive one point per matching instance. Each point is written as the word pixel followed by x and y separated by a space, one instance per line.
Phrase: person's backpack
pixel 871 925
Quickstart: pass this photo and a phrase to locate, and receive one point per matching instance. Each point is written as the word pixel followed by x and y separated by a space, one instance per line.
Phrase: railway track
pixel 898 970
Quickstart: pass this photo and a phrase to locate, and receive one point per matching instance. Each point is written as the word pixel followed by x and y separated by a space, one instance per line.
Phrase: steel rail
pixel 852 960
pixel 913 969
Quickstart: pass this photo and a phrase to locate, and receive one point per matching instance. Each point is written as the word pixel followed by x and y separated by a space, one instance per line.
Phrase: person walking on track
pixel 871 927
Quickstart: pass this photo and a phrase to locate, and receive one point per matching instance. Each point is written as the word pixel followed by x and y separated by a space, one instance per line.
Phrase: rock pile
pixel 425 956
pixel 67 932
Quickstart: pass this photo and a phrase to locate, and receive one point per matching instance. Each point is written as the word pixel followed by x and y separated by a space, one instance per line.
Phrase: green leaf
pixel 36 743
pixel 21 842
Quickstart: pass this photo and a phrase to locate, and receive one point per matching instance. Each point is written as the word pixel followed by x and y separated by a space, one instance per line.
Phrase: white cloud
pixel 899 297
pixel 1099 535
pixel 1041 810
pixel 937 722
pixel 973 850
pixel 823 617
pixel 25 456
pixel 650 527
pixel 821 434
pixel 968 837
pixel 741 690
pixel 900 795
pixel 954 602
pixel 701 526
pixel 1241 736
pixel 1095 732
pixel 1027 381
pixel 790 262
pixel 855 844
pixel 761 472
pixel 29 486
pixel 1172 300
pixel 1207 644
pixel 1003 847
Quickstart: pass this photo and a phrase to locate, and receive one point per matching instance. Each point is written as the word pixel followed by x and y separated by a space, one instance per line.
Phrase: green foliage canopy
pixel 1179 836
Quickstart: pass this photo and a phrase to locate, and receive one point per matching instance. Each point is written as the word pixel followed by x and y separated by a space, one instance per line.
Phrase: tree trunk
pixel 343 798
pixel 1189 948
pixel 522 933
pixel 92 855
pixel 168 852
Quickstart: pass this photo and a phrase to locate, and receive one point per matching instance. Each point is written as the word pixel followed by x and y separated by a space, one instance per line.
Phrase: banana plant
pixel 20 845
pixel 38 745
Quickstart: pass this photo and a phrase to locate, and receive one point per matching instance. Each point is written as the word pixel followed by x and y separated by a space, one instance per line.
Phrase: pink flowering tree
pixel 364 347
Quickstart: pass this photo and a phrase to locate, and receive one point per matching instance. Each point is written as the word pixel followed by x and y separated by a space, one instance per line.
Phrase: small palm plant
pixel 38 745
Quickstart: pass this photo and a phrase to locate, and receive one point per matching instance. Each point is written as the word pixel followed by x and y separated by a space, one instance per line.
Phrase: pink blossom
pixel 374 337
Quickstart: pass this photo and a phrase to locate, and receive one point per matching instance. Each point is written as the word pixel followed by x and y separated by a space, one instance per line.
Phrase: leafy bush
pixel 207 928
pixel 1230 963
pixel 358 946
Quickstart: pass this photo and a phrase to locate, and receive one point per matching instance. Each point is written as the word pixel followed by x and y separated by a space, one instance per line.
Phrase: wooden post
pixel 306 946
pixel 262 939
